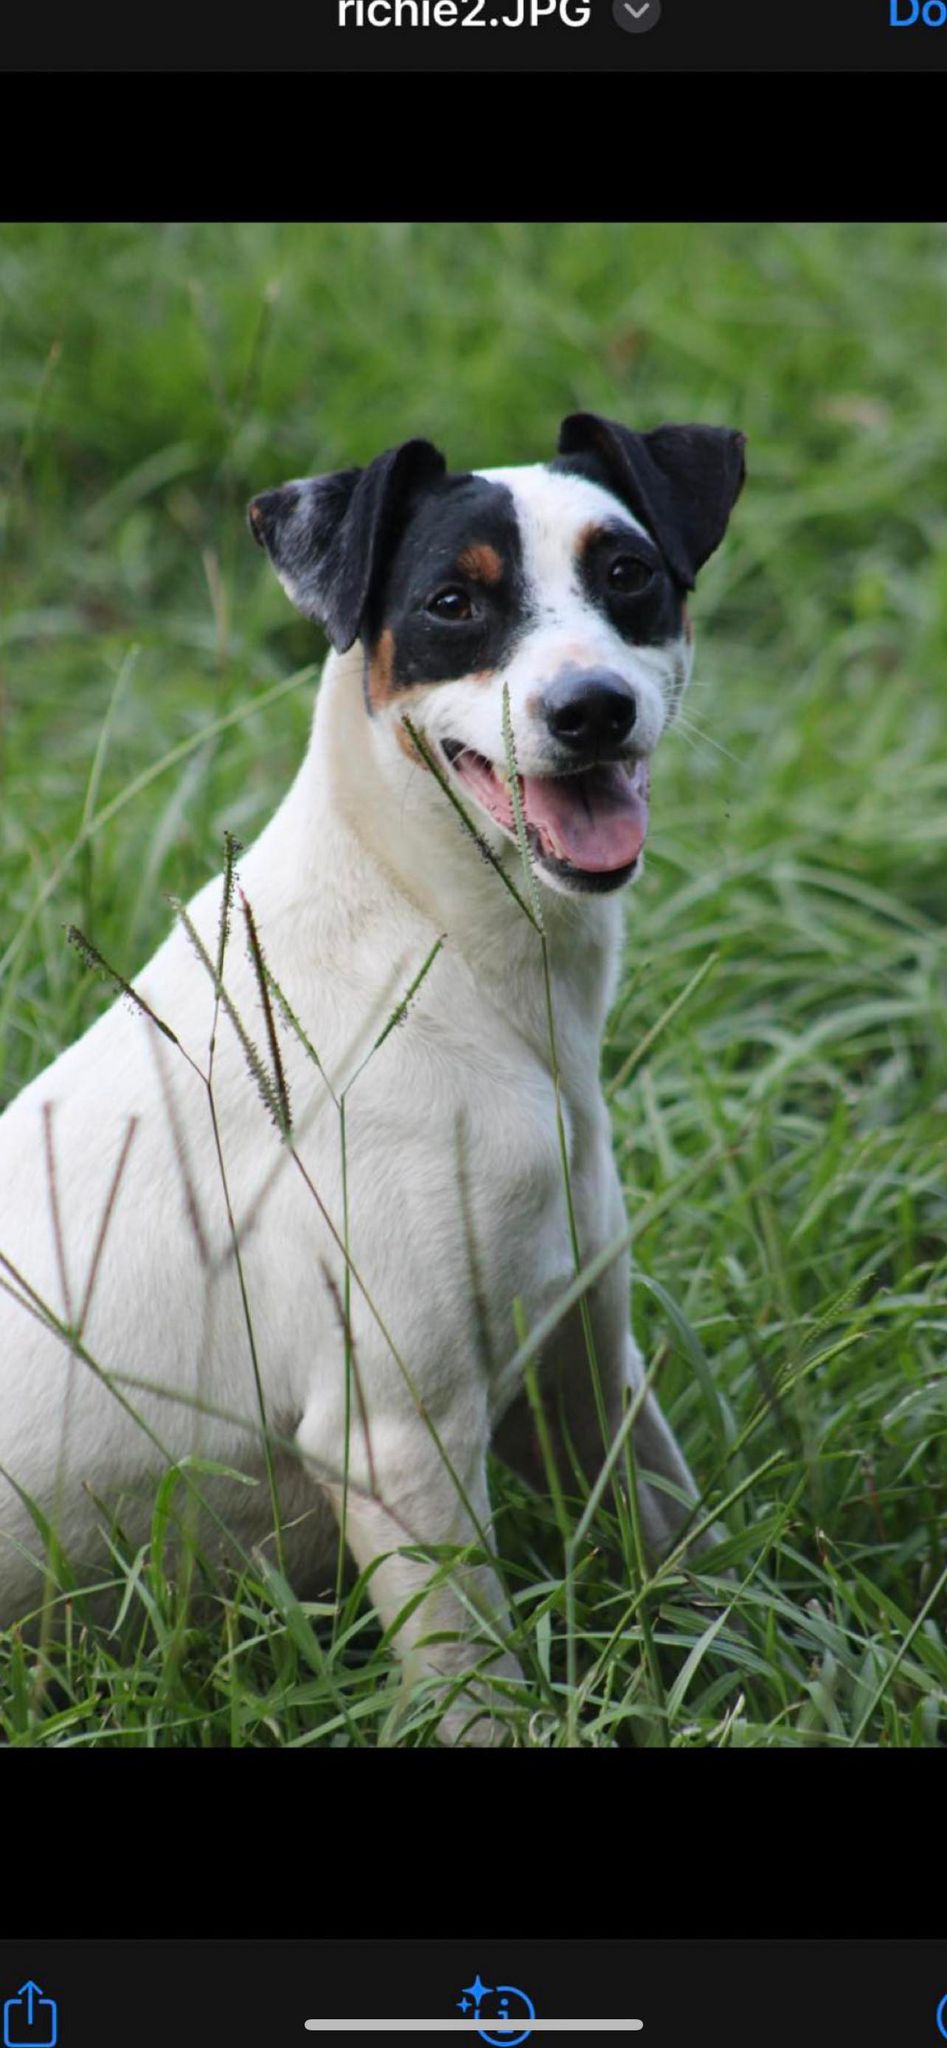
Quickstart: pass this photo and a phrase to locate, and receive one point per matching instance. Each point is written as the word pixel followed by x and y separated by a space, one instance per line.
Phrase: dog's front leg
pixel 450 1620
pixel 657 1452
pixel 575 1434
pixel 586 1389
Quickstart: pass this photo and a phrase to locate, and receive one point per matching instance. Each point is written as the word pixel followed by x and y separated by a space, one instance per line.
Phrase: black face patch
pixel 626 577
pixel 453 600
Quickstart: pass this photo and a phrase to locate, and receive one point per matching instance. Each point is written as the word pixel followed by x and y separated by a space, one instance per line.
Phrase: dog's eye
pixel 627 575
pixel 452 603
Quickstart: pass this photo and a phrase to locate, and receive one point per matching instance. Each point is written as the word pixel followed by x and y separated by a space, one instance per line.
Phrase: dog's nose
pixel 593 711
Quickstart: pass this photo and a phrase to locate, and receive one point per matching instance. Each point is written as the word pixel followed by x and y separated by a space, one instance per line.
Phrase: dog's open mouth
pixel 590 824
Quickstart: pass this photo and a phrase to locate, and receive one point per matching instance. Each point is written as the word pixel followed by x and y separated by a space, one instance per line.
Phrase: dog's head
pixel 564 582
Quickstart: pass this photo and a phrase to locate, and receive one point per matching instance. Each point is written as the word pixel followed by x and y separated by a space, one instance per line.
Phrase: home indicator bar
pixel 500 2013
pixel 488 2029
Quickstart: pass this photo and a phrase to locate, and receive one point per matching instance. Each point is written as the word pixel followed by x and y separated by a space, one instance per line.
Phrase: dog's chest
pixel 456 1171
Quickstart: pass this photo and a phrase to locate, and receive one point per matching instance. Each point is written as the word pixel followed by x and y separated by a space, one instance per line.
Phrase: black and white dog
pixel 178 1262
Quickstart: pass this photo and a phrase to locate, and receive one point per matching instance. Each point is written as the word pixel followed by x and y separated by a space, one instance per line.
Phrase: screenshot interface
pixel 632 35
pixel 665 1993
pixel 462 36
pixel 224 358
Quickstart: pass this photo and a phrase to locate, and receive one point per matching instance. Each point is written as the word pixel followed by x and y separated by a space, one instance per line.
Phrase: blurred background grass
pixel 782 1136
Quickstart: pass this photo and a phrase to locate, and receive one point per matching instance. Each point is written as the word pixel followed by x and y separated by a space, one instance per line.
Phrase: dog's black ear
pixel 327 536
pixel 681 482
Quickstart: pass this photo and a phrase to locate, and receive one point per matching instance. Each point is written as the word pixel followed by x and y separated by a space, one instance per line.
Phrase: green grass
pixel 778 1052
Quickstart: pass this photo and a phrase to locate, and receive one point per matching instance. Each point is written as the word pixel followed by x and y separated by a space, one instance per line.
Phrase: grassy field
pixel 777 1058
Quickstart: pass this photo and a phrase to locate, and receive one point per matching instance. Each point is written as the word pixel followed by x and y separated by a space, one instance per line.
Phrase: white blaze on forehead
pixel 553 511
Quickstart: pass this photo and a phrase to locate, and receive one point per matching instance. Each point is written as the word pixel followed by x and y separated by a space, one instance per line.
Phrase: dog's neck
pixel 358 785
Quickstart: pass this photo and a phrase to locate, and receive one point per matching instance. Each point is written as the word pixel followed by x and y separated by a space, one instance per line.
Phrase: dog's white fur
pixel 454 1182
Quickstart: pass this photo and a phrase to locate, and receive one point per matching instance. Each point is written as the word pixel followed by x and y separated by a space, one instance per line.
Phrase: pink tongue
pixel 598 820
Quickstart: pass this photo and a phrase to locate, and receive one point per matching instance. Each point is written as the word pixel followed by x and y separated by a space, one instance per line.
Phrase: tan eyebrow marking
pixel 480 562
pixel 600 529
pixel 592 531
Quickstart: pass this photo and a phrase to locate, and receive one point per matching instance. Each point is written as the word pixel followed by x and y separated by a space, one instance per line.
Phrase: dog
pixel 292 1207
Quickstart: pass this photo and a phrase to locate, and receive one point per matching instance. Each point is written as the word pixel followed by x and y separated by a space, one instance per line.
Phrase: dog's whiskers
pixel 689 727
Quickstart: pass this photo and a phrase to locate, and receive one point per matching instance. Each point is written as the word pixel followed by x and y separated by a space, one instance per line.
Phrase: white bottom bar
pixel 481 2026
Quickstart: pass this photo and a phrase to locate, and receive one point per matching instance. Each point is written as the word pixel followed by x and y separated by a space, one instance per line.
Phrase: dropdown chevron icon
pixel 636 16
